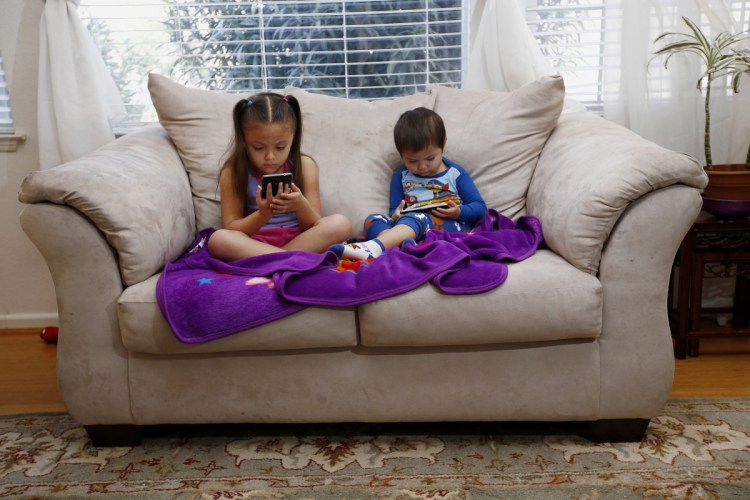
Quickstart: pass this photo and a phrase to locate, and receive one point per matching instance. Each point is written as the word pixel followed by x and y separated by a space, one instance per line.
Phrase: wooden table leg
pixel 741 307
pixel 696 303
pixel 683 296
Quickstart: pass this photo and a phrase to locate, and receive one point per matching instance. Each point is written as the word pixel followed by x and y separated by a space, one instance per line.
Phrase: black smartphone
pixel 276 181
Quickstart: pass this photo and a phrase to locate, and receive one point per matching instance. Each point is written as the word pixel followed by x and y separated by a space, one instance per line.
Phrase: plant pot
pixel 728 191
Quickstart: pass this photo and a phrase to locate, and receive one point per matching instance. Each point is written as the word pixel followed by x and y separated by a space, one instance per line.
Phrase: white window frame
pixel 582 24
pixel 9 140
pixel 440 15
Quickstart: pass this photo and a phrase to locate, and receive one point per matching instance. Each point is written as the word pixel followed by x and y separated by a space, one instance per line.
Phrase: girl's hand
pixel 397 213
pixel 290 199
pixel 264 204
pixel 452 212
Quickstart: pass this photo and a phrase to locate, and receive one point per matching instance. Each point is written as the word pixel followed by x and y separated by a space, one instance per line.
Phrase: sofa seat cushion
pixel 143 328
pixel 543 299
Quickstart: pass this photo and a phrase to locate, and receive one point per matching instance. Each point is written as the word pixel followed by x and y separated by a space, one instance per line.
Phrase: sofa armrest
pixel 588 173
pixel 636 343
pixel 90 356
pixel 134 190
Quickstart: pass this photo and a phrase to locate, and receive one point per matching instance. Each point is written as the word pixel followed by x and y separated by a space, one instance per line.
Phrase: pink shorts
pixel 277 236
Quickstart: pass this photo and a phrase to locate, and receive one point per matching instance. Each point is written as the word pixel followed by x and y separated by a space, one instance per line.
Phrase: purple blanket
pixel 203 298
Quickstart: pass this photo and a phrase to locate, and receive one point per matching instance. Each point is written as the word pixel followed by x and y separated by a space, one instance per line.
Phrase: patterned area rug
pixel 694 449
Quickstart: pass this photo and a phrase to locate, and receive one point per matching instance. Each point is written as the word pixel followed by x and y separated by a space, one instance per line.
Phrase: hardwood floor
pixel 28 383
pixel 721 371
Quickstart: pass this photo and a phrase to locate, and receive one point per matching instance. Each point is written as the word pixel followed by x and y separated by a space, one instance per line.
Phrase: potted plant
pixel 728 191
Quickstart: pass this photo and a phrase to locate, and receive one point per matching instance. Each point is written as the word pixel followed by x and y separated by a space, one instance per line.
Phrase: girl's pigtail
pixel 296 150
pixel 238 162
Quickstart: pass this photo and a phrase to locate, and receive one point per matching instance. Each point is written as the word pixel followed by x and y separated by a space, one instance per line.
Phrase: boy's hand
pixel 452 212
pixel 397 213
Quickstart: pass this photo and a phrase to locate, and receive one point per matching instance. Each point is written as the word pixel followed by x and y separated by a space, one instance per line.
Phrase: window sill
pixel 9 142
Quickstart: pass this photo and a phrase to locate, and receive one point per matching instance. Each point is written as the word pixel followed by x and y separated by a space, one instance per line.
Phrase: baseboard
pixel 30 320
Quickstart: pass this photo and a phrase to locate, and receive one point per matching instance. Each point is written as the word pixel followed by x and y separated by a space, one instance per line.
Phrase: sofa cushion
pixel 498 136
pixel 561 303
pixel 144 329
pixel 199 122
pixel 340 134
pixel 136 193
pixel 544 299
pixel 589 172
pixel 352 142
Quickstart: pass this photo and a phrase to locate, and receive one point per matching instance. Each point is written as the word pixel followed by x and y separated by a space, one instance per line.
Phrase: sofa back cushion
pixel 199 122
pixel 351 140
pixel 352 143
pixel 498 136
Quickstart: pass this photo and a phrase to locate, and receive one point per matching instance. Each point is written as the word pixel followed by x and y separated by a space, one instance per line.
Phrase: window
pixel 355 48
pixel 6 120
pixel 8 138
pixel 570 34
pixel 573 36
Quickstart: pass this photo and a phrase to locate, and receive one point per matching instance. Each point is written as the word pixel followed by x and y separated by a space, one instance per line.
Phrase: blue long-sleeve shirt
pixel 454 183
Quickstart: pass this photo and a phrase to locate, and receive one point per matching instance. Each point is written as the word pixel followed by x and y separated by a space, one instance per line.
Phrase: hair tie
pixel 285 98
pixel 248 103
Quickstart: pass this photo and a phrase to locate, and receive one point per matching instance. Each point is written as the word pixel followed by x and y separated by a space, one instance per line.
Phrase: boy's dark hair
pixel 418 129
pixel 265 107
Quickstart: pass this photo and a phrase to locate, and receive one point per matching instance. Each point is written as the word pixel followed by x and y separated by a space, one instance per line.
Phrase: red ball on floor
pixel 49 334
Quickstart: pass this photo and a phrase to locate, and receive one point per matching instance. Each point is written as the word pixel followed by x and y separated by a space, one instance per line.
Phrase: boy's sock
pixel 371 249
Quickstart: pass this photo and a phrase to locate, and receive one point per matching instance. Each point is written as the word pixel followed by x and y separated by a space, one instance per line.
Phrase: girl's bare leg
pixel 229 245
pixel 324 233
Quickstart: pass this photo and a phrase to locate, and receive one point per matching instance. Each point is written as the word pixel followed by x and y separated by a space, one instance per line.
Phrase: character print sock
pixel 408 241
pixel 371 249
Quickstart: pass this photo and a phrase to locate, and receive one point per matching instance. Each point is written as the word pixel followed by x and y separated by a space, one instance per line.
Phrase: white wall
pixel 27 297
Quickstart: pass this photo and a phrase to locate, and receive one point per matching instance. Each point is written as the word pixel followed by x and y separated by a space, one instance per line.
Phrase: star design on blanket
pixel 204 281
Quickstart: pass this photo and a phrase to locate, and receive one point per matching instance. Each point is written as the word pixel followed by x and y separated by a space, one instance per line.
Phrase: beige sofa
pixel 578 332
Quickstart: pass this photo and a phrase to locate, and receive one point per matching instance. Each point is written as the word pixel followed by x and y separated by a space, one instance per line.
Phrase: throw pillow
pixel 199 122
pixel 498 136
pixel 134 190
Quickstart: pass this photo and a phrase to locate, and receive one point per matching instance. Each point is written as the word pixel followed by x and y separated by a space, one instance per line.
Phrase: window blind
pixel 570 34
pixel 355 48
pixel 6 119
pixel 741 11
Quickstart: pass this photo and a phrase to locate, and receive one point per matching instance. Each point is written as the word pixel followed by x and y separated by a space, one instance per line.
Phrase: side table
pixel 712 247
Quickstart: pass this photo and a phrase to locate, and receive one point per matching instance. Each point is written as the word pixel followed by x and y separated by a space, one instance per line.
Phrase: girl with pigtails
pixel 267 138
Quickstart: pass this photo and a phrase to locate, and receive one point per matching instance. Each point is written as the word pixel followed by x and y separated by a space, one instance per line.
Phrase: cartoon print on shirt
pixel 416 192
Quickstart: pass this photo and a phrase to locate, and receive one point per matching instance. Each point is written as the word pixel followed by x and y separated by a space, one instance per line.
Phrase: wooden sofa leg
pixel 115 435
pixel 618 430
